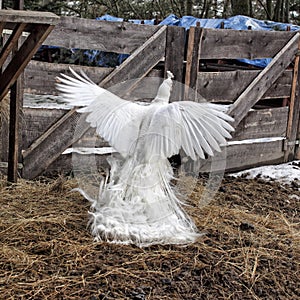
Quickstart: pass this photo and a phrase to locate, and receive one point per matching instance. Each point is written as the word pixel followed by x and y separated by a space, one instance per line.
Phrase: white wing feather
pixel 197 128
pixel 115 119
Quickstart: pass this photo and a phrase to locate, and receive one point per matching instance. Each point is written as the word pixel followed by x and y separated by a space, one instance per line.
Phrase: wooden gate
pixel 266 129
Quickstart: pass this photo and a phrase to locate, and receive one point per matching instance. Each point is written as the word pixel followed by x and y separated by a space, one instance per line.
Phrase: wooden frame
pixel 170 47
pixel 38 25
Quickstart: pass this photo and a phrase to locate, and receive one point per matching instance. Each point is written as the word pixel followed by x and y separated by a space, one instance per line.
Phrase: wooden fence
pixel 202 59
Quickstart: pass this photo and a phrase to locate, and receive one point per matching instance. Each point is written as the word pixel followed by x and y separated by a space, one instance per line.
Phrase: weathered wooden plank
pixel 13 39
pixel 243 156
pixel 233 44
pixel 174 59
pixel 40 76
pixel 235 157
pixel 251 155
pixel 264 123
pixel 192 62
pixel 294 109
pixel 32 17
pixel 43 151
pixel 264 80
pixel 36 121
pixel 99 35
pixel 22 57
pixel 227 86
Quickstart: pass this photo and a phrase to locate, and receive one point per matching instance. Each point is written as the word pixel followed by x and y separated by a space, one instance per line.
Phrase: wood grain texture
pixel 227 86
pixel 40 77
pixel 264 80
pixel 49 146
pixel 99 35
pixel 243 156
pixel 294 110
pixel 11 42
pixel 264 123
pixel 32 17
pixel 15 127
pixel 192 62
pixel 233 44
pixel 147 46
pixel 37 121
pixel 141 61
pixel 22 57
pixel 174 59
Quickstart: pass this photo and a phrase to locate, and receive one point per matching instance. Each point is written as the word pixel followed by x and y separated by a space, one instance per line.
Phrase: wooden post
pixel 292 131
pixel 16 103
pixel 174 59
pixel 192 62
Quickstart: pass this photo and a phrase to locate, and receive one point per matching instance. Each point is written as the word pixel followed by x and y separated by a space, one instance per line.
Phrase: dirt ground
pixel 250 249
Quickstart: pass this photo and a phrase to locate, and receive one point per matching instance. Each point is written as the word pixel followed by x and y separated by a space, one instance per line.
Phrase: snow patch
pixel 286 173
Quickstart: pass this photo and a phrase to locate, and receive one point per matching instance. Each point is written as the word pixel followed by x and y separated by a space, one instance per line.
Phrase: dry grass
pixel 250 249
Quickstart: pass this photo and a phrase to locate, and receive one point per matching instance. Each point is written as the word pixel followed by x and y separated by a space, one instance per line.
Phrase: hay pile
pixel 250 249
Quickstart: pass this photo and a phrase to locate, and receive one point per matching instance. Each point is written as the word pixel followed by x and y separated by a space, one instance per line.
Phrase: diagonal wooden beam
pixel 22 57
pixel 264 80
pixel 11 42
pixel 141 61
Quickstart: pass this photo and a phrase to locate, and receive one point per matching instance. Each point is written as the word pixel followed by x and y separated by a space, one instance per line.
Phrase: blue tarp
pixel 243 22
pixel 106 59
pixel 188 21
pixel 116 19
pixel 236 22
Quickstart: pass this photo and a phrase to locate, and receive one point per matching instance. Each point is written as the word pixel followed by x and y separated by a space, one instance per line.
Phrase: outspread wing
pixel 197 128
pixel 115 119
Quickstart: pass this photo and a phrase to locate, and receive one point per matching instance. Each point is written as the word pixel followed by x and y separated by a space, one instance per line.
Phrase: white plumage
pixel 137 205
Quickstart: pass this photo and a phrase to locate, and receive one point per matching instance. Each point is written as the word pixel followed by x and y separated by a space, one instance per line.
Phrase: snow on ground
pixel 286 173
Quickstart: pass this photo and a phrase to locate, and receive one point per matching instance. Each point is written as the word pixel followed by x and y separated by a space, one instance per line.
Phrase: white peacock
pixel 136 202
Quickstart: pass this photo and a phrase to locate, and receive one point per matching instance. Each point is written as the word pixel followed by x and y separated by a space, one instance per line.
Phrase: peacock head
pixel 164 90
